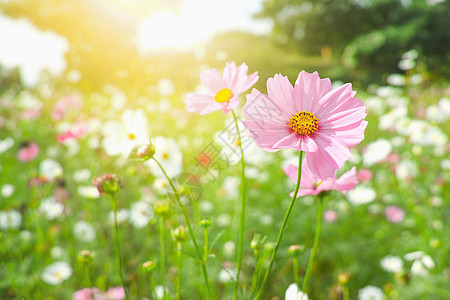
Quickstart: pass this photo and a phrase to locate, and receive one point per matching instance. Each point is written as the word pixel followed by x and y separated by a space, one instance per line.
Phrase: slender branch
pixel 315 245
pixel 242 214
pixel 191 232
pixel 283 226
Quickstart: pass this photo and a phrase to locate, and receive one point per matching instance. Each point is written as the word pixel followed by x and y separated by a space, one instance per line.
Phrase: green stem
pixel 178 270
pixel 255 272
pixel 295 270
pixel 191 232
pixel 315 245
pixel 88 275
pixel 205 253
pixel 346 293
pixel 242 215
pixel 162 254
pixel 283 226
pixel 117 245
pixel 152 286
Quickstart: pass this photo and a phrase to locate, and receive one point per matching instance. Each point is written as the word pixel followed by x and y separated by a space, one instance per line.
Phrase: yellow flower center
pixel 224 95
pixel 131 136
pixel 304 123
pixel 165 156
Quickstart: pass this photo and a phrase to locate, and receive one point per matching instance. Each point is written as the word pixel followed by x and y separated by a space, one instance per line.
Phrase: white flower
pixel 56 273
pixel 123 138
pixel 227 275
pixel 168 154
pixel 50 208
pixel 159 291
pixel 294 293
pixel 444 106
pixel 415 79
pixel 390 119
pixel 418 268
pixel 84 231
pixel 411 54
pixel 392 264
pixel 445 164
pixel 434 114
pixel 228 248
pixel 422 262
pixel 11 219
pixel 206 207
pixel 161 185
pixel 396 79
pixel 361 195
pixel 50 169
pixel 413 255
pixel 406 64
pixel 370 292
pixel 88 191
pixel 166 87
pixel 231 187
pixel 122 215
pixel 374 104
pixel 6 144
pixel 224 220
pixel 406 169
pixel 376 152
pixel 140 214
pixel 7 190
pixel 81 175
pixel 57 252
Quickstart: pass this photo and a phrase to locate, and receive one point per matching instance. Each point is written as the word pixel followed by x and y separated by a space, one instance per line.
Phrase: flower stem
pixel 178 270
pixel 295 270
pixel 242 214
pixel 162 254
pixel 117 245
pixel 283 226
pixel 315 245
pixel 88 275
pixel 191 232
pixel 205 253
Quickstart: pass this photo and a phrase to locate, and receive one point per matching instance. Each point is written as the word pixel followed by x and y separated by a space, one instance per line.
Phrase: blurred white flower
pixel 84 231
pixel 159 291
pixel 376 151
pixel 206 207
pixel 56 273
pixel 415 79
pixel 411 54
pixel 122 138
pixel 166 87
pixel 406 64
pixel 389 119
pixel 231 187
pixel 396 79
pixel 168 155
pixel 81 175
pixel 224 220
pixel 445 164
pixel 25 235
pixel 392 264
pixel 375 105
pixel 355 158
pixel 228 248
pixel 413 255
pixel 294 293
pixel 434 114
pixel 57 252
pixel 421 262
pixel 388 91
pixel 370 292
pixel 161 185
pixel 141 213
pixel 7 190
pixel 361 195
pixel 122 215
pixel 6 144
pixel 227 275
pixel 50 208
pixel 444 106
pixel 50 169
pixel 88 191
pixel 11 219
pixel 406 169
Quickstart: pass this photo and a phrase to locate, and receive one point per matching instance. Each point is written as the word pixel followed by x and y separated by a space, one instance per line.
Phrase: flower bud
pixel 257 241
pixel 108 183
pixel 296 250
pixel 269 246
pixel 344 278
pixel 146 151
pixel 149 266
pixel 85 257
pixel 161 208
pixel 205 223
pixel 179 234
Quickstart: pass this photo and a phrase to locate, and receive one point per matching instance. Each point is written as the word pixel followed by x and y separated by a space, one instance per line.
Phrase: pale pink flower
pixel 76 132
pixel 28 152
pixel 308 116
pixel 394 214
pixel 222 90
pixel 115 293
pixel 310 185
pixel 364 175
pixel 85 294
pixel 62 106
pixel 330 216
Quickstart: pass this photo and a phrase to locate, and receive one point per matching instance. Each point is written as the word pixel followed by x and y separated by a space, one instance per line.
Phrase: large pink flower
pixel 222 90
pixel 308 116
pixel 309 185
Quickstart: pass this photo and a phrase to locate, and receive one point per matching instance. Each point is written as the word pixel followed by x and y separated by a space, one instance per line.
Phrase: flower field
pixel 226 183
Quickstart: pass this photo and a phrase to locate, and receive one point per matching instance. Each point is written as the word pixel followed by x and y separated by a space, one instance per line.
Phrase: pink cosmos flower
pixel 394 214
pixel 364 175
pixel 85 294
pixel 308 116
pixel 76 132
pixel 28 152
pixel 309 185
pixel 222 90
pixel 114 293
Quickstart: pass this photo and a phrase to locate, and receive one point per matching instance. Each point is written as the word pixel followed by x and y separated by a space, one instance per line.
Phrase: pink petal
pixel 201 103
pixel 308 90
pixel 321 164
pixel 280 89
pixel 212 80
pixel 251 80
pixel 347 181
pixel 332 100
pixel 263 108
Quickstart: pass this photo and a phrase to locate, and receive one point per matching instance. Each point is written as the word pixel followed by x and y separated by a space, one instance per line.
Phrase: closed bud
pixel 296 250
pixel 108 183
pixel 161 208
pixel 205 223
pixel 145 152
pixel 179 234
pixel 149 266
pixel 85 257
pixel 258 241
pixel 344 278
